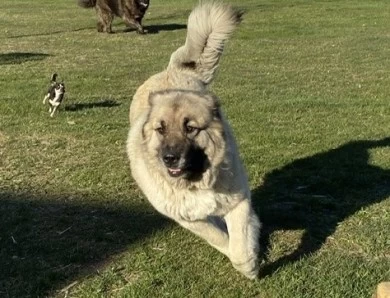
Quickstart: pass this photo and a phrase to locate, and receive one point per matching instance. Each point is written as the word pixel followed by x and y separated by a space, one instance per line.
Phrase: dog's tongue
pixel 174 171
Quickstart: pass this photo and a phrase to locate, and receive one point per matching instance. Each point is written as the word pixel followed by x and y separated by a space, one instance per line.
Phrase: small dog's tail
pixel 53 77
pixel 209 26
pixel 86 3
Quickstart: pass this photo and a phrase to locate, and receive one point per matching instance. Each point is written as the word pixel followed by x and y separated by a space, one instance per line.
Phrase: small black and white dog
pixel 55 94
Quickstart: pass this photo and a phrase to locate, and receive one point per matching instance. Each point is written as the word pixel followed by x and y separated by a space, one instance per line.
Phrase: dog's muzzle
pixel 189 160
pixel 172 158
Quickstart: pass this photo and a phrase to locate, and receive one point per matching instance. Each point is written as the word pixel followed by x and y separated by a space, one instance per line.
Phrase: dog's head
pixel 142 6
pixel 184 133
pixel 55 88
pixel 59 88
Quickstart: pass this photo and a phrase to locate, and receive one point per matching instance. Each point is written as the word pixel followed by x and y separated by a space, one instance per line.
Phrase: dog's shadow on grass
pixel 21 57
pixel 155 29
pixel 104 103
pixel 53 33
pixel 48 242
pixel 316 193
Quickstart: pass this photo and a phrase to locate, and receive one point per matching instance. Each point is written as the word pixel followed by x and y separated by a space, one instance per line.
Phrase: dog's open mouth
pixel 175 172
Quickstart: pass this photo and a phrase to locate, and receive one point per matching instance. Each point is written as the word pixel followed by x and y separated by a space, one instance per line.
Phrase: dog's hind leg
pixel 105 18
pixel 244 228
pixel 215 236
pixel 54 109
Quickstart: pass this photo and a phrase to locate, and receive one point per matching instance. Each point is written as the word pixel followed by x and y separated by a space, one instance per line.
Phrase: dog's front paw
pixel 250 268
pixel 142 31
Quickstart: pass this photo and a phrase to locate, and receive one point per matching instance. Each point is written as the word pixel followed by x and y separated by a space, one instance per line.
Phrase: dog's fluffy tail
pixel 53 77
pixel 86 3
pixel 209 26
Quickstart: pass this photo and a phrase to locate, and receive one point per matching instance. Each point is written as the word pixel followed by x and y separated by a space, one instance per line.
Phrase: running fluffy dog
pixel 181 148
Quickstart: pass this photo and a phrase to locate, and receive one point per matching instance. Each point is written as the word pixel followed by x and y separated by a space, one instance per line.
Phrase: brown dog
pixel 131 11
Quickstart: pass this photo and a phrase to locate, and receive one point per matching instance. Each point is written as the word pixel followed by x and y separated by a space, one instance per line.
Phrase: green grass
pixel 306 86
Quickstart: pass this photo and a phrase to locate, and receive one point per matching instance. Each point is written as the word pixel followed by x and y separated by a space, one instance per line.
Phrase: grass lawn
pixel 306 86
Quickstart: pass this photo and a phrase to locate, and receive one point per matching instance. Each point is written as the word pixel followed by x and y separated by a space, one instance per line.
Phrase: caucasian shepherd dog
pixel 131 11
pixel 181 148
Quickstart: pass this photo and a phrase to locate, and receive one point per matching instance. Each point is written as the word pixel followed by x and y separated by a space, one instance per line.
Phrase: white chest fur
pixel 186 204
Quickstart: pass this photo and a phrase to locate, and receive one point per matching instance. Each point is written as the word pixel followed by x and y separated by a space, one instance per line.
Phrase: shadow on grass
pixel 318 192
pixel 50 33
pixel 154 29
pixel 18 57
pixel 47 242
pixel 107 103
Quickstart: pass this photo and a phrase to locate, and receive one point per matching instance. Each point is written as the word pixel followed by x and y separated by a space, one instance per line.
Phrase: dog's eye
pixel 160 130
pixel 189 129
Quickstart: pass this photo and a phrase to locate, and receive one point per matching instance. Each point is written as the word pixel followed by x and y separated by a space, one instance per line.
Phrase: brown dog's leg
pixel 140 28
pixel 133 22
pixel 104 19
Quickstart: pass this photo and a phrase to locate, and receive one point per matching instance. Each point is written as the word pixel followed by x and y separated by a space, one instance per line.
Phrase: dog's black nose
pixel 171 159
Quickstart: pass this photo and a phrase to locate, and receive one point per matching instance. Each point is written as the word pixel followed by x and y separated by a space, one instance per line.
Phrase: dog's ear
pixel 215 105
pixel 143 131
pixel 151 98
pixel 217 113
pixel 155 97
pixel 145 127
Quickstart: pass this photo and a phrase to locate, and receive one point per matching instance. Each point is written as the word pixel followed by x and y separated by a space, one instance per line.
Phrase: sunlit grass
pixel 305 85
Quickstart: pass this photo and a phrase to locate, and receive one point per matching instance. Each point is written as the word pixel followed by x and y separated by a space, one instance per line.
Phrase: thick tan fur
pixel 173 109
